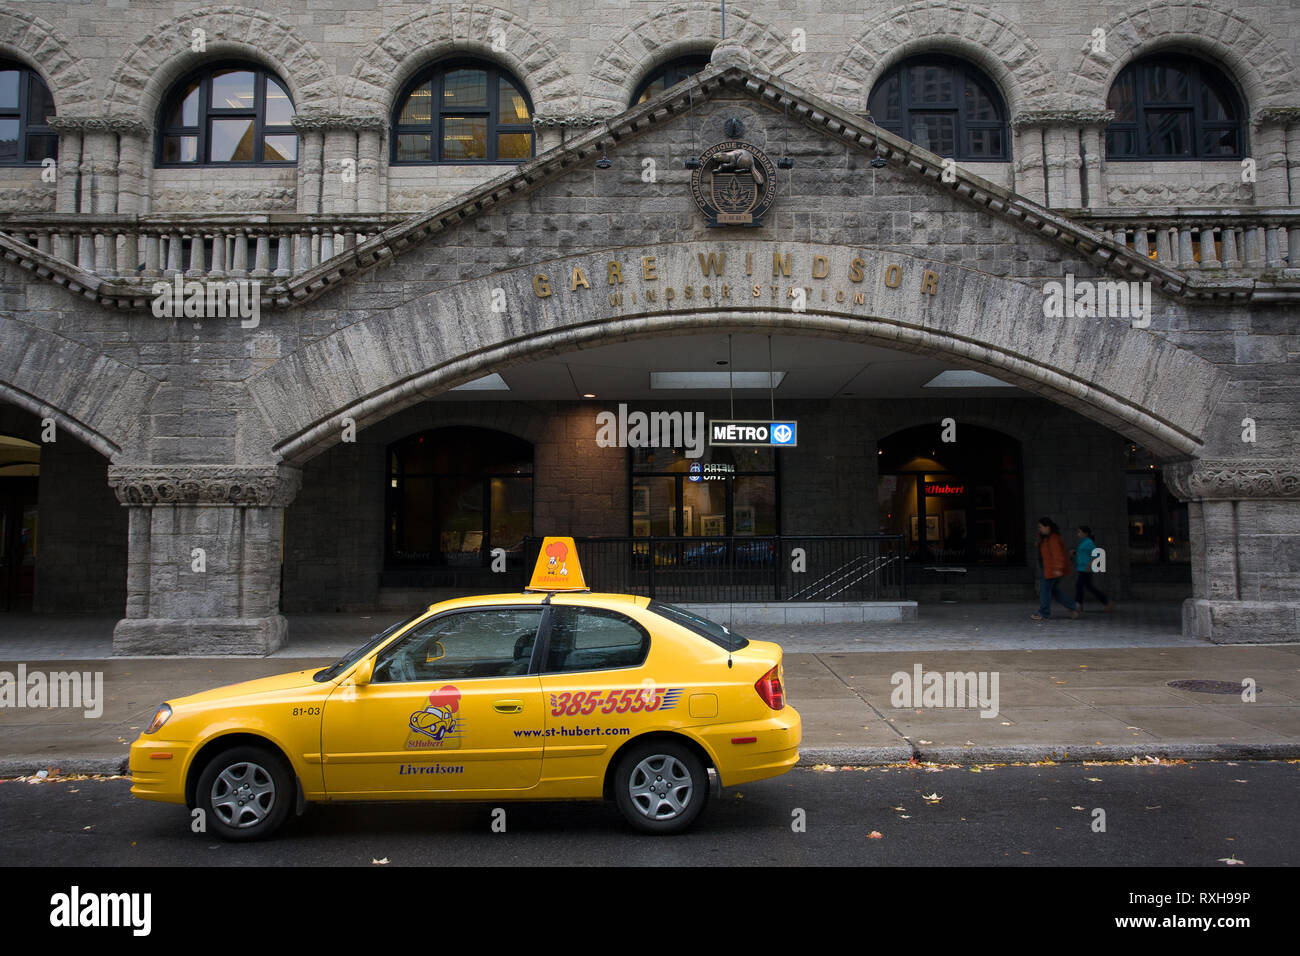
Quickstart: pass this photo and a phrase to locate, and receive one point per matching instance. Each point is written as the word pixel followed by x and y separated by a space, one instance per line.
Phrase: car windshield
pixel 723 636
pixel 354 655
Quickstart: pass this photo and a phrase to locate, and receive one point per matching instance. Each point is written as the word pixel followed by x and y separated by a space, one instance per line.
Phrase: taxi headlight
pixel 159 718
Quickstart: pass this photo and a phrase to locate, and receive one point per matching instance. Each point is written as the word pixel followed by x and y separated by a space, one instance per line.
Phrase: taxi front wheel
pixel 661 787
pixel 245 793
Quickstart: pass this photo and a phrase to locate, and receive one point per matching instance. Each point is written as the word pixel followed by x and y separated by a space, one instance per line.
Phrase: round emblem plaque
pixel 735 184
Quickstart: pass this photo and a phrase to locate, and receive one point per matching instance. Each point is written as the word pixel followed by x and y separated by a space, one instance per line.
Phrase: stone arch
pixel 37 43
pixel 91 396
pixel 991 42
pixel 680 29
pixel 1133 381
pixel 459 29
pixel 150 68
pixel 1261 69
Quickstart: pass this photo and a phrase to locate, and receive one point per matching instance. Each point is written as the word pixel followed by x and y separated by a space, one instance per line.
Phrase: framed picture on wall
pixel 713 526
pixel 984 500
pixel 931 528
pixel 745 520
pixel 640 527
pixel 954 526
pixel 640 499
pixel 688 519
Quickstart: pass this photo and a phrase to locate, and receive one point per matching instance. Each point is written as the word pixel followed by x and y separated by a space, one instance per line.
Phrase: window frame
pixel 206 114
pixel 1201 73
pixel 963 71
pixel 647 639
pixel 675 66
pixel 535 658
pixel 22 114
pixel 435 75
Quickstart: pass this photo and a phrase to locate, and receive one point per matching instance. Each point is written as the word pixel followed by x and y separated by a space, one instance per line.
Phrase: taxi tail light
pixel 769 688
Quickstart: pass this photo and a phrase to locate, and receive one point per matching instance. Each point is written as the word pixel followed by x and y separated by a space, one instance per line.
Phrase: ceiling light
pixel 965 378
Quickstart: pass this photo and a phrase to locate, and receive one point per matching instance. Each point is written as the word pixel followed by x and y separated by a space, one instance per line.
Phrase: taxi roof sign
pixel 557 567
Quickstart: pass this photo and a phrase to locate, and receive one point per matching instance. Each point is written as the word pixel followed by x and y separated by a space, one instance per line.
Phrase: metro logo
pixel 784 434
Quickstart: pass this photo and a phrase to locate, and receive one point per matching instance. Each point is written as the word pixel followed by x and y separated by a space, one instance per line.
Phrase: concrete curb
pixel 21 766
pixel 1171 750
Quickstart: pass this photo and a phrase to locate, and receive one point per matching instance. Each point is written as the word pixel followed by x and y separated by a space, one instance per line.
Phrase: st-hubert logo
pixel 734 185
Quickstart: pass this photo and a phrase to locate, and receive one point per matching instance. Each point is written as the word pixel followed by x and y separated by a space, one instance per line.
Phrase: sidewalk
pixel 1061 704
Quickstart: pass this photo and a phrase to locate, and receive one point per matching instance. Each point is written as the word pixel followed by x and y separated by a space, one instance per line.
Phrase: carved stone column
pixel 1276 130
pixel 1245 536
pixel 203 565
pixel 335 152
pixel 1058 156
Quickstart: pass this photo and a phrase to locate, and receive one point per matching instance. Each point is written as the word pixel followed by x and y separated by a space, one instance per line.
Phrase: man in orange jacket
pixel 1054 565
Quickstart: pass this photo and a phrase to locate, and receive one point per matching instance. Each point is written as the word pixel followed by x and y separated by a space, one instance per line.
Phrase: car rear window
pixel 719 634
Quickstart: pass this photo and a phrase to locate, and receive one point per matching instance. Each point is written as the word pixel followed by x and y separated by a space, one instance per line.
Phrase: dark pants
pixel 1049 588
pixel 1084 580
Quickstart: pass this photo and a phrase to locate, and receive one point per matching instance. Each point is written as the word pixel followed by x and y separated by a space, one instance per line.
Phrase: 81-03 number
pixel 627 701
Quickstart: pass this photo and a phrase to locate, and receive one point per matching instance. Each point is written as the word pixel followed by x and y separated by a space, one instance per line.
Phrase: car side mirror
pixel 364 672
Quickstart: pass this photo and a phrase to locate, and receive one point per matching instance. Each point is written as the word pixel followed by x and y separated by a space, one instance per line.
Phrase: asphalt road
pixel 1194 814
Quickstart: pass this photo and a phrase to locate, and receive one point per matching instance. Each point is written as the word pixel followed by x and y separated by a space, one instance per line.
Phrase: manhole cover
pixel 1209 686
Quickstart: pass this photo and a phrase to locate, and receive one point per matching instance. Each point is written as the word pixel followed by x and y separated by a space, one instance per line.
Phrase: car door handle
pixel 508 706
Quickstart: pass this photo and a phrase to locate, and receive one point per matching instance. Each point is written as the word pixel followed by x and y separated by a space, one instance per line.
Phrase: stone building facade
pixel 259 441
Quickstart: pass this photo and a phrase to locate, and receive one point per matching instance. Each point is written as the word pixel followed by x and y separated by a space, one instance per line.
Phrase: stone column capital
pixel 127 125
pixel 1061 117
pixel 315 120
pixel 1283 117
pixel 1233 479
pixel 264 486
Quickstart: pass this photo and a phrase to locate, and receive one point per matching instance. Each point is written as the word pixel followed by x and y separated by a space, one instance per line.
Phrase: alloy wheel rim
pixel 661 787
pixel 243 794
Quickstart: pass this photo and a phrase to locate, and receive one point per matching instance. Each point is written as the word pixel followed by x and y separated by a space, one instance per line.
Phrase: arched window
pixel 25 105
pixel 229 114
pixel 1174 107
pixel 944 105
pixel 463 112
pixel 669 75
pixel 960 502
pixel 454 494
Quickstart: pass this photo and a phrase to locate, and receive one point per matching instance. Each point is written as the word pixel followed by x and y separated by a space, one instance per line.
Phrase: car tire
pixel 245 793
pixel 661 786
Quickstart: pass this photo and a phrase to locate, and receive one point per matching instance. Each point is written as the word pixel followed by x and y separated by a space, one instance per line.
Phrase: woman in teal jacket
pixel 1083 570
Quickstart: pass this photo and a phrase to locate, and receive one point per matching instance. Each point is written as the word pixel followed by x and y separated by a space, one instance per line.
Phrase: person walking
pixel 1083 570
pixel 1054 564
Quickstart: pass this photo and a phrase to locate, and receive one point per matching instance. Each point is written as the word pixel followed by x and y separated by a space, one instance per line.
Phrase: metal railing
pixel 744 569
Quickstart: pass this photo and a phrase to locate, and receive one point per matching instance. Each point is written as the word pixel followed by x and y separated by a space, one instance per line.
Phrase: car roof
pixel 582 598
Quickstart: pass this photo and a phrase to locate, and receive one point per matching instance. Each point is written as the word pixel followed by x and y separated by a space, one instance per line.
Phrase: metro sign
pixel 749 433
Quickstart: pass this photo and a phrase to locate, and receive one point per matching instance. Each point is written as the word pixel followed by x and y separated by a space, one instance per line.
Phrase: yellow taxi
pixel 553 694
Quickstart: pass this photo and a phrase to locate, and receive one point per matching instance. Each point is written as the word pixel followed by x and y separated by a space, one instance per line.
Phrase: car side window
pixel 592 639
pixel 495 642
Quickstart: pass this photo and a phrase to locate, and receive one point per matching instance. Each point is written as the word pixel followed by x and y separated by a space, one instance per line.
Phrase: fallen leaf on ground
pixel 1093 779
pixel 1231 861
pixel 925 741
pixel 931 798
pixel 1076 808
pixel 875 835
pixel 379 862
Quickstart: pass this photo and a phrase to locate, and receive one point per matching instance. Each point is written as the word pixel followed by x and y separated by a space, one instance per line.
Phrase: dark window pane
pixel 8 140
pixel 186 110
pixel 413 147
pixel 1121 100
pixel 589 639
pixel 417 110
pixel 1215 105
pixel 514 145
pixel 979 105
pixel 495 643
pixel 511 504
pixel 464 88
pixel 180 149
pixel 279 108
pixel 513 108
pixel 1169 134
pixel 464 138
pixel 280 148
pixel 1166 84
pixel 460 516
pixel 416 535
pixel 40 104
pixel 9 89
pixel 656 87
pixel 231 141
pixel 984 143
pixel 1121 142
pixel 1219 142
pixel 42 146
pixel 936 132
pixel 932 84
pixel 233 90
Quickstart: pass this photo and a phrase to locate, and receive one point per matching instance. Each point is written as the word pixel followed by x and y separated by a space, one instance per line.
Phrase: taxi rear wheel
pixel 661 786
pixel 245 793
